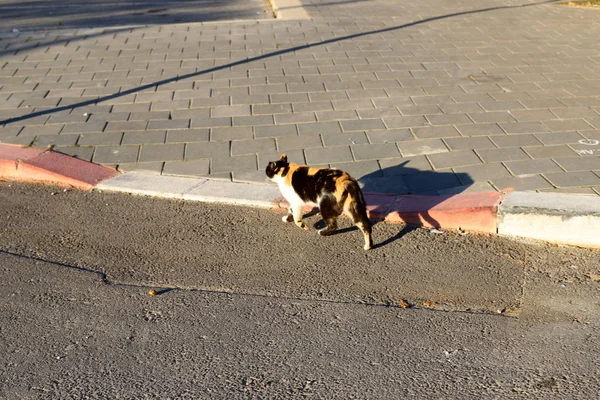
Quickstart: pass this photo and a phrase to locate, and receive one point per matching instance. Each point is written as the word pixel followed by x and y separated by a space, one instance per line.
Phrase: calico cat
pixel 331 190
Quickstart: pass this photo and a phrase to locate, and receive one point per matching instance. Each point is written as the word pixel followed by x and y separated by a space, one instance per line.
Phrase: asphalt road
pixel 249 307
pixel 58 14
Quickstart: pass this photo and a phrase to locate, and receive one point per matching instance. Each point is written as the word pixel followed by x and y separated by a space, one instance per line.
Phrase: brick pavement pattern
pixel 427 97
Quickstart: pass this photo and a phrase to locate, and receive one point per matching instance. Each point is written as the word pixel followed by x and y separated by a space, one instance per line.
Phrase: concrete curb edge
pixel 552 217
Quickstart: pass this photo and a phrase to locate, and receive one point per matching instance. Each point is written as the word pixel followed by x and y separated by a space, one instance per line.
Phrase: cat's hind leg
pixel 329 211
pixel 358 213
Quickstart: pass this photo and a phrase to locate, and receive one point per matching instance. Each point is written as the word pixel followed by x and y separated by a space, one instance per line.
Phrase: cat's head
pixel 278 167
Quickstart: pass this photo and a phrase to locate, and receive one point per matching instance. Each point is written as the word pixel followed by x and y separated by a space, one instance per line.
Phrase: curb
pixel 42 165
pixel 558 218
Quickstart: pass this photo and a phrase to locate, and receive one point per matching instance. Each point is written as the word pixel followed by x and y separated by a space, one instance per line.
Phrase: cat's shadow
pixel 432 187
pixel 406 229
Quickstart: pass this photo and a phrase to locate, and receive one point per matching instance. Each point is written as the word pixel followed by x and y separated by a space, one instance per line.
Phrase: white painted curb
pixel 289 9
pixel 553 217
pixel 197 189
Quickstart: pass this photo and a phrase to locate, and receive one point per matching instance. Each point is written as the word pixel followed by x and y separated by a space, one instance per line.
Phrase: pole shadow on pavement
pixel 252 59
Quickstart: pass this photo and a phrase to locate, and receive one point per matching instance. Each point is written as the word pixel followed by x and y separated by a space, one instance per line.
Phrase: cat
pixel 331 190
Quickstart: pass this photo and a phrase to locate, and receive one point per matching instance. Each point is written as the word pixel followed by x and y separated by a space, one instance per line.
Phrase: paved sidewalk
pixel 428 97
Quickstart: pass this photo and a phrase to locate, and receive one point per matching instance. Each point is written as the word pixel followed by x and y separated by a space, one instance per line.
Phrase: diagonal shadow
pixel 258 58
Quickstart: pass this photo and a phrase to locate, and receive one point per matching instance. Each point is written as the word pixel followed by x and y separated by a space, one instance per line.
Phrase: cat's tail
pixel 356 207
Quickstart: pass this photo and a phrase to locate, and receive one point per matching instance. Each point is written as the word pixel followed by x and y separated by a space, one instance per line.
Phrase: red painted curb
pixel 475 212
pixel 39 165
pixel 468 211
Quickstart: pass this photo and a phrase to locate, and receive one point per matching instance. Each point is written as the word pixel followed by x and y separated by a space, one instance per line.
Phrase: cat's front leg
pixel 289 217
pixel 297 214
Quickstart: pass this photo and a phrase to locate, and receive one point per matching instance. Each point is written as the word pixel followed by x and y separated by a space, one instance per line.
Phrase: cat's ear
pixel 283 158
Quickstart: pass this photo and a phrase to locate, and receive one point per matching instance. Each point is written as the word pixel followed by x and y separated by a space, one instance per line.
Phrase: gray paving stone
pixel 515 140
pixel 155 167
pixel 168 124
pixel 240 147
pixel 523 183
pixel 449 119
pixel 360 169
pixel 579 163
pixel 328 155
pixel 549 151
pixel 405 121
pixel 230 111
pixel 362 125
pixel 144 137
pixel 210 122
pixel 506 154
pixel 306 141
pixel 524 127
pixel 480 130
pixel 493 116
pixel 294 118
pixel 187 168
pixel 530 167
pixel 82 153
pixel 532 115
pixel 83 127
pixel 280 108
pixel 465 143
pixel 149 115
pixel 161 152
pixel 430 181
pixel 197 150
pixel 404 166
pixel 336 115
pixel 122 126
pixel 324 128
pixel 275 131
pixel 250 99
pixel 231 133
pixel 454 159
pixel 423 146
pixel 37 130
pixel 483 172
pixel 254 120
pixel 559 138
pixel 289 97
pixel 501 105
pixel 575 178
pixel 342 139
pixel 116 154
pixel 100 139
pixel 568 125
pixel 20 140
pixel 374 151
pixel 435 132
pixel 384 185
pixel 390 136
pixel 252 177
pixel 7 131
pixel 233 164
pixel 58 140
pixel 188 135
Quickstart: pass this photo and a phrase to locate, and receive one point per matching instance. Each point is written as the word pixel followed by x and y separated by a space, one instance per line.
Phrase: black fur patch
pixel 309 187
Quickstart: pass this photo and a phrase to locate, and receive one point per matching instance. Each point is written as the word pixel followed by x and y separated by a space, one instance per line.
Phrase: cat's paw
pixel 325 232
pixel 287 218
pixel 302 225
